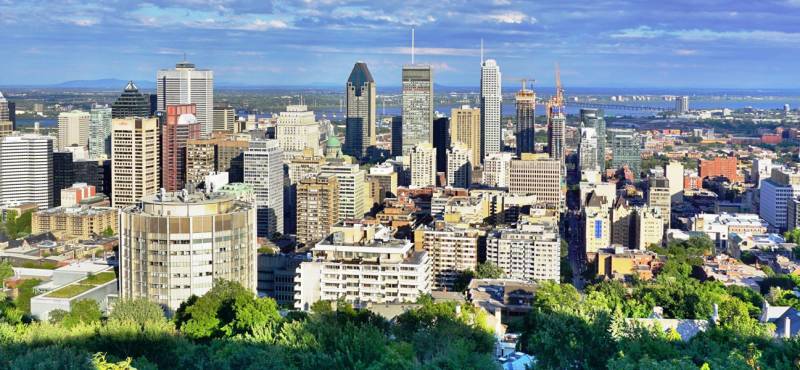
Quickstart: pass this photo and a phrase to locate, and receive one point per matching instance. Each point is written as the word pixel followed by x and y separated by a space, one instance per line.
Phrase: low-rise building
pixel 731 271
pixel 79 222
pixel 620 263
pixel 719 226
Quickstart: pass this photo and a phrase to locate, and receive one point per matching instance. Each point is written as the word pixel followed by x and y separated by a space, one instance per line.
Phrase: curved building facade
pixel 175 245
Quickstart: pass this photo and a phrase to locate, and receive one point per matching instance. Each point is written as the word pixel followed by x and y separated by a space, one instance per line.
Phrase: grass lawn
pixel 82 286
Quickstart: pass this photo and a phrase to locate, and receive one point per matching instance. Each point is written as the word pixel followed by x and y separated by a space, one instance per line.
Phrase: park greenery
pixel 17 226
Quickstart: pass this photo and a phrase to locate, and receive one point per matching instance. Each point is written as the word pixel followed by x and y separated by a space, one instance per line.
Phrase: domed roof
pixel 333 141
pixel 186 119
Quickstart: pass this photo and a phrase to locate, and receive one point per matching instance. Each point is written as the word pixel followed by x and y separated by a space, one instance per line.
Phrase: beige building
pixel 597 223
pixel 659 196
pixel 201 156
pixel 82 223
pixel 303 165
pixel 453 249
pixel 135 160
pixel 459 166
pixel 539 175
pixel 6 128
pixel 73 129
pixel 649 227
pixel 529 251
pixel 465 128
pixel 423 165
pixel 674 173
pixel 622 217
pixel 386 177
pixel 353 190
pixel 497 169
pixel 317 207
pixel 296 130
pixel 175 245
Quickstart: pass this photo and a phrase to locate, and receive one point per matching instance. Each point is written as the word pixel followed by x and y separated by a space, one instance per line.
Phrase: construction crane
pixel 556 103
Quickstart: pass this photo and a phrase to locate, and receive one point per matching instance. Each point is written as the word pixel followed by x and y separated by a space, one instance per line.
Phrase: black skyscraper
pixel 131 103
pixel 63 174
pixel 397 135
pixel 95 173
pixel 441 141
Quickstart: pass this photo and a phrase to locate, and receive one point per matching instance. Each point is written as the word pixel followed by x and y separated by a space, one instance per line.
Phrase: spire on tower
pixel 481 51
pixel 412 46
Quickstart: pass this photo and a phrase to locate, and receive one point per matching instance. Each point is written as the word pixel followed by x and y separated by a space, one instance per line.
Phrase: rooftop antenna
pixel 184 56
pixel 412 46
pixel 481 51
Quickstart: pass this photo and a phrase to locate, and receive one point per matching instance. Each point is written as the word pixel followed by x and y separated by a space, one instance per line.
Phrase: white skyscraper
pixel 459 166
pixel 297 129
pixel 497 169
pixel 187 85
pixel 491 102
pixel 73 129
pixel 100 133
pixel 587 151
pixel 26 170
pixel 423 165
pixel 263 169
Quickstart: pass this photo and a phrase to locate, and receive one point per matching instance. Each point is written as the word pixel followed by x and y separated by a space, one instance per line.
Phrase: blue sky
pixel 600 43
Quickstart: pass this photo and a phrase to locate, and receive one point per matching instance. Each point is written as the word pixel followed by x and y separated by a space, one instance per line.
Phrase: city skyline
pixel 598 44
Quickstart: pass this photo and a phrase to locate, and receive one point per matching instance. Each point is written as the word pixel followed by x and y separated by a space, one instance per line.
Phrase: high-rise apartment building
pixel 587 150
pixel 26 170
pixel 296 130
pixel 556 132
pixel 417 119
pixel 73 129
pixel 135 160
pixel 529 251
pixel 100 133
pixel 497 170
pixel 597 223
pixel 465 128
pixel 225 118
pixel 658 196
pixel 776 195
pixel 131 103
pixel 263 169
pixel 360 131
pixel 626 150
pixel 459 166
pixel 539 175
pixel 201 159
pixel 681 104
pixel 674 173
pixel 453 249
pixel 491 103
pixel 650 226
pixel 594 118
pixel 622 224
pixel 353 189
pixel 187 85
pixel 176 245
pixel 317 207
pixel 179 127
pixel 423 165
pixel 525 129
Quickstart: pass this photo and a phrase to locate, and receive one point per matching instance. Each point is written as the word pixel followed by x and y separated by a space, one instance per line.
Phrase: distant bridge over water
pixel 616 106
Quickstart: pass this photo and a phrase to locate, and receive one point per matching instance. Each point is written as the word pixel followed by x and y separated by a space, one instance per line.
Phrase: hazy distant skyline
pixel 607 43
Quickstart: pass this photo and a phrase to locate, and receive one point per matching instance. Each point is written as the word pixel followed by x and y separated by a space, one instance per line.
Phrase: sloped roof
pixel 360 75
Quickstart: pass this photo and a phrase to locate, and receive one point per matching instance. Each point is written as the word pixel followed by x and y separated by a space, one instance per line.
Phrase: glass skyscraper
pixel 593 118
pixel 360 122
pixel 417 106
pixel 100 133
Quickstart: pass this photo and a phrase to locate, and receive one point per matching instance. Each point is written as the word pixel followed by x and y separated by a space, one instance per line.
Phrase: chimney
pixel 787 327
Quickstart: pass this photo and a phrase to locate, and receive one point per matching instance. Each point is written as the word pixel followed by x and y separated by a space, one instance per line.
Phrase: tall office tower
pixel 6 123
pixel 556 122
pixel 459 166
pixel 525 130
pixel 296 130
pixel 674 173
pixel 587 150
pixel 230 156
pixel 417 118
pixel 597 223
pixel 491 103
pixel 594 118
pixel 681 104
pixel 776 194
pixel 201 159
pixel 622 222
pixel 626 150
pixel 423 165
pixel 397 136
pixel 131 103
pixel 186 85
pixel 465 128
pixel 497 170
pixel 225 118
pixel 452 248
pixel 26 170
pixel 659 196
pixel 360 122
pixel 353 189
pixel 263 169
pixel 317 207
pixel 650 226
pixel 63 174
pixel 441 141
pixel 135 160
pixel 96 173
pixel 179 127
pixel 536 174
pixel 100 133
pixel 73 129
pixel 530 251
pixel 176 245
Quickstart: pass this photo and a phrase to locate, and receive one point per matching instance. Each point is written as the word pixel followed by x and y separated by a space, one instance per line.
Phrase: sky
pixel 597 43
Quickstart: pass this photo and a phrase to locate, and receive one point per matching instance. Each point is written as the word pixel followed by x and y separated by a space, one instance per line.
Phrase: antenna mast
pixel 412 46
pixel 481 51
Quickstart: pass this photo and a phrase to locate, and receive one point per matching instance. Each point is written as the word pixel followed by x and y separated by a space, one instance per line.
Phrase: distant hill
pixel 106 83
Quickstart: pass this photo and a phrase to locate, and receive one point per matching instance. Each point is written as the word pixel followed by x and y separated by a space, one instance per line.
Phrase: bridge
pixel 616 106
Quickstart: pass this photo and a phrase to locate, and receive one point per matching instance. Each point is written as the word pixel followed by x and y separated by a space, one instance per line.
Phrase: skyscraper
pixel 131 103
pixel 417 106
pixel 317 207
pixel 135 160
pixel 263 169
pixel 100 133
pixel 296 130
pixel 674 173
pixel 491 102
pixel 63 174
pixel 26 170
pixel 536 174
pixel 626 150
pixel 594 118
pixel 556 122
pixel 179 127
pixel 423 165
pixel 225 118
pixel 658 196
pixel 73 129
pixel 6 121
pixel 459 166
pixel 441 141
pixel 397 135
pixel 525 130
pixel 186 85
pixel 681 104
pixel 465 128
pixel 352 191
pixel 360 122
pixel 587 150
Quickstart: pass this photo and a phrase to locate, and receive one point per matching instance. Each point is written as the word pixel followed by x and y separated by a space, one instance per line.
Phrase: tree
pixel 488 270
pixel 84 311
pixel 6 271
pixel 139 311
pixel 108 232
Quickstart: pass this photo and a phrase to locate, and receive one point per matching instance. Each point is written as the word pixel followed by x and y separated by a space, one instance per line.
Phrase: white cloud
pixel 645 32
pixel 264 25
pixel 83 22
pixel 512 17
pixel 685 52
